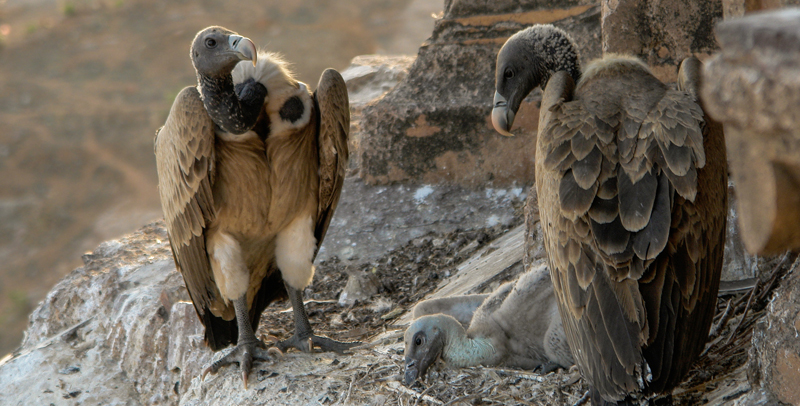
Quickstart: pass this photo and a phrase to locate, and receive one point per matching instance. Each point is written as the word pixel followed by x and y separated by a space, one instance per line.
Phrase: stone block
pixel 369 77
pixel 661 32
pixel 753 87
pixel 434 126
pixel 774 360
pixel 738 8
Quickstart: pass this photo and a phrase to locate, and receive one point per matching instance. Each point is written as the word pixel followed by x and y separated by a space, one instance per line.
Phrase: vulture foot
pixel 243 355
pixel 323 343
pixel 304 338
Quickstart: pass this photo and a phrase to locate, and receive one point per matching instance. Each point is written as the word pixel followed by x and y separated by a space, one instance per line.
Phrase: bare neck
pixel 460 350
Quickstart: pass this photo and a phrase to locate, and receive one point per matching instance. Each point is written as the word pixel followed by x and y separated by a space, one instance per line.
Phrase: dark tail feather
pixel 598 400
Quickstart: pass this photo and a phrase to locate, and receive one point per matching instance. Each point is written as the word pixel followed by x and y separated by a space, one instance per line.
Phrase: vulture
pixel 632 185
pixel 250 169
pixel 517 326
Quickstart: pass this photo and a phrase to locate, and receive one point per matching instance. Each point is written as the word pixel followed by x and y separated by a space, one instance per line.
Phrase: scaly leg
pixel 304 338
pixel 248 347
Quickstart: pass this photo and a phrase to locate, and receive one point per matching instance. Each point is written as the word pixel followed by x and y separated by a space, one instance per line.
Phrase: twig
pixel 746 308
pixel 402 389
pixel 463 398
pixel 521 374
pixel 776 274
pixel 425 392
pixel 349 391
pixel 722 321
pixel 583 399
pixel 752 293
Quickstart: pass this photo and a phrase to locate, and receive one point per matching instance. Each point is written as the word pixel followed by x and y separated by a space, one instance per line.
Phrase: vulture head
pixel 216 50
pixel 527 60
pixel 425 340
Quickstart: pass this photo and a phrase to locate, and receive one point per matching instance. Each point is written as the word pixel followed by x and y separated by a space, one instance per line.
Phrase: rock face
pixel 434 126
pixel 661 32
pixel 112 332
pixel 753 87
pixel 369 77
pixel 121 330
pixel 775 354
pixel 738 8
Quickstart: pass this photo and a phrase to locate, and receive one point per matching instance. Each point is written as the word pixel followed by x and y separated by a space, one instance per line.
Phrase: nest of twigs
pixel 409 273
pixel 724 358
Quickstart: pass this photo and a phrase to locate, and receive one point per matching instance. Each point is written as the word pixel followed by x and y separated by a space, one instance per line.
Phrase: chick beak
pixel 411 372
pixel 502 117
pixel 244 47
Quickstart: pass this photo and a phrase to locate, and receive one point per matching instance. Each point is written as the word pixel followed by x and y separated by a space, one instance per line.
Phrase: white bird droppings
pixel 422 193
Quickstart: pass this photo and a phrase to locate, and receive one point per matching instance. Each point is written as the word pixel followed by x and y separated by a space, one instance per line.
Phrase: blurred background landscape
pixel 84 84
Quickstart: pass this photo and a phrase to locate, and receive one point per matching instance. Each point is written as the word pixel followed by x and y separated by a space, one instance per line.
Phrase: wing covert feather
pixel 334 128
pixel 184 149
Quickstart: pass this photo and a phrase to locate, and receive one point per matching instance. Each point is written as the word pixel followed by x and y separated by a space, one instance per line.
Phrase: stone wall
pixel 753 87
pixel 434 126
pixel 775 355
pixel 661 32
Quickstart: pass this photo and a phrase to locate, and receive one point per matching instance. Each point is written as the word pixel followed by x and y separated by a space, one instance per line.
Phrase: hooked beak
pixel 502 117
pixel 411 373
pixel 244 48
pixel 417 368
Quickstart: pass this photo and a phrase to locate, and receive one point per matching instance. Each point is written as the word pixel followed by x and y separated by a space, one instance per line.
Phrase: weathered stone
pixel 753 87
pixel 361 286
pixel 434 127
pixel 661 32
pixel 737 264
pixel 738 8
pixel 534 240
pixel 775 354
pixel 370 77
pixel 103 334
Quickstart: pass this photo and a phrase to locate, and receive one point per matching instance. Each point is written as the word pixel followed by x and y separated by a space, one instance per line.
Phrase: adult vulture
pixel 250 169
pixel 632 184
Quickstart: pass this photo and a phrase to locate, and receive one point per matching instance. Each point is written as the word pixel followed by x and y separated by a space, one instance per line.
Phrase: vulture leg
pixel 304 338
pixel 248 347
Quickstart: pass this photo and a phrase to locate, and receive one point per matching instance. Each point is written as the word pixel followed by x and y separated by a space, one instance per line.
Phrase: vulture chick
pixel 632 184
pixel 517 326
pixel 250 169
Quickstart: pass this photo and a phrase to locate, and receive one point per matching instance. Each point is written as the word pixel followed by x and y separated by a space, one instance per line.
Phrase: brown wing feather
pixel 184 149
pixel 332 106
pixel 635 296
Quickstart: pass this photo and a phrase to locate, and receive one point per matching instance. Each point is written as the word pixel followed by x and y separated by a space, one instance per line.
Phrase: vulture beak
pixel 412 372
pixel 417 365
pixel 502 117
pixel 244 48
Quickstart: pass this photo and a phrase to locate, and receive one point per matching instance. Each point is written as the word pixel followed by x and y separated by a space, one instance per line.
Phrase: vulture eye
pixel 508 74
pixel 211 43
pixel 418 341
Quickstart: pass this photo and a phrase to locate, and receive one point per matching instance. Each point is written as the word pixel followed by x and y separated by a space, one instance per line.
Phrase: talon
pixel 243 355
pixel 275 352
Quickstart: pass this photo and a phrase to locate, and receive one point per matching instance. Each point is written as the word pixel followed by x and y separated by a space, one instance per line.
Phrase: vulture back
pixel 633 197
